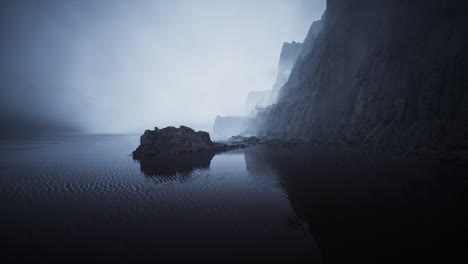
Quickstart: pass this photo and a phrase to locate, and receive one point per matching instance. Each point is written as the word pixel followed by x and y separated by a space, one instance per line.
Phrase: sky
pixel 115 66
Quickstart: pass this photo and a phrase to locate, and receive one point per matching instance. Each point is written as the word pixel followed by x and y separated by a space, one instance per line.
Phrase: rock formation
pixel 388 74
pixel 171 141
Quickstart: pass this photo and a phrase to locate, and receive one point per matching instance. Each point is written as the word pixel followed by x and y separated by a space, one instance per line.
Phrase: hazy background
pixel 123 66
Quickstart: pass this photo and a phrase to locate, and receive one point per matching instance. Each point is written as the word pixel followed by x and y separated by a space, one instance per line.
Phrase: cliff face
pixel 382 73
pixel 309 42
pixel 289 54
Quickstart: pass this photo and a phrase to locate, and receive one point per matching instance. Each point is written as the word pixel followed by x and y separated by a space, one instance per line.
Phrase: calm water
pixel 83 197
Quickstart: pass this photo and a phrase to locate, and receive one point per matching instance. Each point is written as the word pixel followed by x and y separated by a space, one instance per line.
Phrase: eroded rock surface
pixel 387 75
pixel 171 141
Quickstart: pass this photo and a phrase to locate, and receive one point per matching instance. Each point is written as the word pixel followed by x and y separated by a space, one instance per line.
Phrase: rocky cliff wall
pixel 288 57
pixel 380 73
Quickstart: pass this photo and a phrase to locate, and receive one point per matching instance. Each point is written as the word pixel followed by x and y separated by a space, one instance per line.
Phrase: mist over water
pixel 363 158
pixel 123 66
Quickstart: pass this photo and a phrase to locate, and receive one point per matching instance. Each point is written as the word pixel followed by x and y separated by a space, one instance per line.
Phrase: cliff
pixel 385 74
pixel 288 56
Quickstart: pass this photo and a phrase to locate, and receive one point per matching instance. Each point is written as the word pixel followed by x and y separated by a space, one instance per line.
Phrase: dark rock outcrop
pixel 171 141
pixel 386 74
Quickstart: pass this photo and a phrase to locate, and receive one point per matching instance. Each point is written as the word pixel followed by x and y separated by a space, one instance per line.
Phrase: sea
pixel 84 198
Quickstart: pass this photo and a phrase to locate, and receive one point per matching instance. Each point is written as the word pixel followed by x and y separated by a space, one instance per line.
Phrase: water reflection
pixel 373 209
pixel 70 201
pixel 179 168
pixel 86 199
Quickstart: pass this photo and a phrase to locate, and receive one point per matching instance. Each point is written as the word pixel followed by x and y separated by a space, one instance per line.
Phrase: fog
pixel 125 66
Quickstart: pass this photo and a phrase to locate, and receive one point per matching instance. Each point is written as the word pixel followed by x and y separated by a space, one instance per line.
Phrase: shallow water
pixel 83 197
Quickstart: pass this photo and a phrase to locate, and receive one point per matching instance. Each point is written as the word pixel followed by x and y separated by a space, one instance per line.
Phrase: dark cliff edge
pixel 383 74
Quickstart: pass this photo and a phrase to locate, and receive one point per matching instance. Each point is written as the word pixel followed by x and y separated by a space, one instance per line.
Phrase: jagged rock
pixel 172 141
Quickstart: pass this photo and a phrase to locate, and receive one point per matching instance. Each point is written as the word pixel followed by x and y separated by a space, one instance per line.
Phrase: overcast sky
pixel 124 66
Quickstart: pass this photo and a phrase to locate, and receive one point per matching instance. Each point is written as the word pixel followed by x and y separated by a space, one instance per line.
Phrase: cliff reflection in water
pixel 366 208
pixel 175 168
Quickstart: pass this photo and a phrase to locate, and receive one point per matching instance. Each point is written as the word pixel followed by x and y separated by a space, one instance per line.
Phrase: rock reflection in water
pixel 367 208
pixel 175 168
